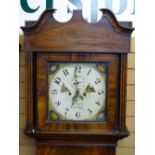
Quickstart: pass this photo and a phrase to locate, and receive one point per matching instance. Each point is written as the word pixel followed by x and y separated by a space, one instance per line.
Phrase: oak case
pixel 76 41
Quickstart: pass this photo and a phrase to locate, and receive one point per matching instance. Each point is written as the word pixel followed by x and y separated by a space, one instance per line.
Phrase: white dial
pixel 77 91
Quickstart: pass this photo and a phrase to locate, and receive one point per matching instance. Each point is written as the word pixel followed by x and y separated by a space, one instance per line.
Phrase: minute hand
pixel 75 83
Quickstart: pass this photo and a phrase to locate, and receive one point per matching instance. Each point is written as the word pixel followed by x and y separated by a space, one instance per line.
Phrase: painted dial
pixel 77 91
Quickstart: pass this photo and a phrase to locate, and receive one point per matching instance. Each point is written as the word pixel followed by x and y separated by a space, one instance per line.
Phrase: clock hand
pixel 75 83
pixel 77 92
pixel 76 96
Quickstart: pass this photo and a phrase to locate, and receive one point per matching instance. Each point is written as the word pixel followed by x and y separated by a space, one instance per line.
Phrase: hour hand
pixel 76 83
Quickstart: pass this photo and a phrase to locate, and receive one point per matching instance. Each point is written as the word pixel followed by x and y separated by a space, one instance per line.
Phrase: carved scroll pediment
pixel 78 35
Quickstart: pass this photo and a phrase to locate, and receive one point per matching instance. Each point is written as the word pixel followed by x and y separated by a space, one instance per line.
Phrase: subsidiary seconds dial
pixel 77 91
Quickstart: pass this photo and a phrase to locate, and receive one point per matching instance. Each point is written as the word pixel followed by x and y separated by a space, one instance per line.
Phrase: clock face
pixel 76 91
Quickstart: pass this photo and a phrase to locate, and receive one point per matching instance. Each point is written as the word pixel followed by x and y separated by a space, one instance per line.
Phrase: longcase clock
pixel 76 84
